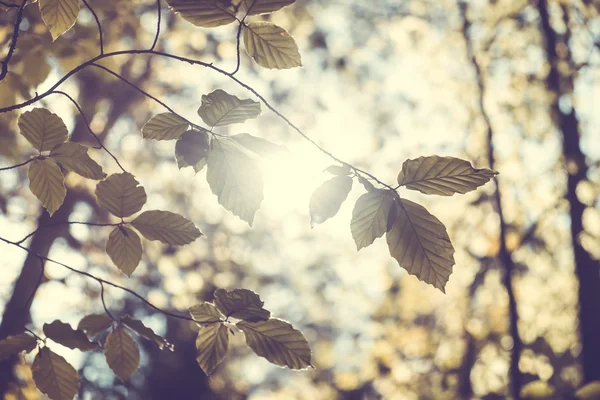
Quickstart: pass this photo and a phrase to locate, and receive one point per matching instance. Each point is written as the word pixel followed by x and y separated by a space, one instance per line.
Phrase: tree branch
pixel 62 223
pixel 98 24
pixel 158 21
pixel 18 165
pixel 13 44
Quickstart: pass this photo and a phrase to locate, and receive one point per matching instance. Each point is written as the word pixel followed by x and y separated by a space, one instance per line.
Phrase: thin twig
pixel 158 21
pixel 89 127
pixel 98 24
pixel 238 39
pixel 104 302
pixel 13 44
pixel 18 165
pixel 62 223
pixel 2 3
pixel 34 334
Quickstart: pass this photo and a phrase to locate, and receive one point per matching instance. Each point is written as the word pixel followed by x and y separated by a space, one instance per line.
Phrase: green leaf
pixel 42 129
pixel 47 183
pixel 192 149
pixel 234 177
pixel 122 353
pixel 94 324
pixel 443 176
pixel 212 343
pixel 165 126
pixel 220 108
pixel 62 333
pixel 205 313
pixel 138 327
pixel 278 342
pixel 371 217
pixel 264 6
pixel 339 170
pixel 124 248
pixel 260 146
pixel 271 46
pixel 121 195
pixel 589 392
pixel 327 199
pixel 420 243
pixel 205 13
pixel 16 344
pixel 59 15
pixel 54 376
pixel 241 304
pixel 74 157
pixel 168 227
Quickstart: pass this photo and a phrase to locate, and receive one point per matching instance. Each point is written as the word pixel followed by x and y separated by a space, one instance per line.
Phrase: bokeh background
pixel 382 81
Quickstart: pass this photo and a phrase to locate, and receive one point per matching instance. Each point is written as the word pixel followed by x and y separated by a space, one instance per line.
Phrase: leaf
pixel 537 390
pixel 122 353
pixel 271 46
pixel 74 157
pixel 205 13
pixel 36 68
pixel 443 176
pixel 205 313
pixel 260 146
pixel 59 15
pixel 165 126
pixel 241 304
pixel 327 199
pixel 124 248
pixel 192 149
pixel 236 180
pixel 94 324
pixel 420 243
pixel 138 327
pixel 339 170
pixel 121 195
pixel 264 6
pixel 366 184
pixel 42 129
pixel 589 392
pixel 278 342
pixel 47 184
pixel 220 108
pixel 211 343
pixel 168 227
pixel 371 216
pixel 16 344
pixel 62 333
pixel 54 376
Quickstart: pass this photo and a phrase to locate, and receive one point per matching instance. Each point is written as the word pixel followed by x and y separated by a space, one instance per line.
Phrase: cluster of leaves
pixel 271 338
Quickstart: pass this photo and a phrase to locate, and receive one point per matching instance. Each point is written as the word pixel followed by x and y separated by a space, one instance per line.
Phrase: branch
pixel 87 124
pixel 62 223
pixel 18 165
pixel 158 20
pixel 98 24
pixel 7 5
pixel 99 280
pixel 13 44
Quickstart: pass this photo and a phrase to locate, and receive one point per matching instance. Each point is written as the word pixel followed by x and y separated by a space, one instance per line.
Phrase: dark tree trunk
pixel 586 268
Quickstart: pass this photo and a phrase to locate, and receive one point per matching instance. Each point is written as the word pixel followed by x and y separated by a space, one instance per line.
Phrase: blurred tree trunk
pixel 560 85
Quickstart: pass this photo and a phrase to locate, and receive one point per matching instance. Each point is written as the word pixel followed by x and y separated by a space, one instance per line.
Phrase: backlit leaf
pixel 205 313
pixel 220 108
pixel 260 146
pixel 36 68
pixel 420 243
pixel 327 199
pixel 74 157
pixel 165 126
pixel 94 324
pixel 121 195
pixel 211 343
pixel 59 15
pixel 42 129
pixel 590 391
pixel 122 353
pixel 16 344
pixel 234 177
pixel 54 376
pixel 168 227
pixel 271 46
pixel 537 390
pixel 192 149
pixel 124 248
pixel 46 182
pixel 241 304
pixel 205 13
pixel 370 217
pixel 443 176
pixel 138 327
pixel 278 342
pixel 339 170
pixel 264 6
pixel 62 333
